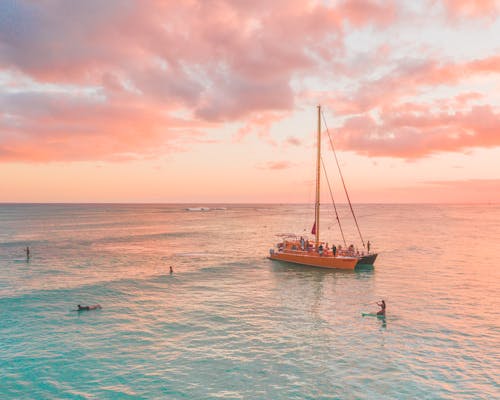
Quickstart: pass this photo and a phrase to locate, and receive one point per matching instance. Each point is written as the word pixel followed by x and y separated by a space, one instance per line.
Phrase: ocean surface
pixel 231 324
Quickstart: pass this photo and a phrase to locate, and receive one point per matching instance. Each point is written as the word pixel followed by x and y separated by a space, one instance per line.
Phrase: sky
pixel 214 101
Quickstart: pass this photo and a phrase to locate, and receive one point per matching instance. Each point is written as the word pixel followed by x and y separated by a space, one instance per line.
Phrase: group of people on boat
pixel 303 244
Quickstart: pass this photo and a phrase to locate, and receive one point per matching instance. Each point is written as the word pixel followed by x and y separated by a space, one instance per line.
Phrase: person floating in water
pixel 27 253
pixel 171 270
pixel 88 308
pixel 382 308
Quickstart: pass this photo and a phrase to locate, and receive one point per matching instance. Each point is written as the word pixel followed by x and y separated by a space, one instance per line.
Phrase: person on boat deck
pixel 382 308
pixel 302 243
pixel 334 250
pixel 320 249
pixel 368 245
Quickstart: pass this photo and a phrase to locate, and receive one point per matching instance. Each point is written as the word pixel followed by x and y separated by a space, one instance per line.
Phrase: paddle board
pixel 372 315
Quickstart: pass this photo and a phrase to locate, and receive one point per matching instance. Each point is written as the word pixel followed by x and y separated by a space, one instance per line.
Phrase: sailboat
pixel 300 250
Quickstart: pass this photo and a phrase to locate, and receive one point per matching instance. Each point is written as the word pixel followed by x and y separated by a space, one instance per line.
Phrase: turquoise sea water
pixel 229 323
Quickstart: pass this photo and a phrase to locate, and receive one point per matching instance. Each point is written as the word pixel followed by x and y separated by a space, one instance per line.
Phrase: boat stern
pixel 367 261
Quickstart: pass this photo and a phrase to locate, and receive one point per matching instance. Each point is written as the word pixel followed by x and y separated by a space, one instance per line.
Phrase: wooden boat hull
pixel 315 260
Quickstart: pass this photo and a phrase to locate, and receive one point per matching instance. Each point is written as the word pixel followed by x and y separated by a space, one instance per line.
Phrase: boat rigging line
pixel 333 201
pixel 342 178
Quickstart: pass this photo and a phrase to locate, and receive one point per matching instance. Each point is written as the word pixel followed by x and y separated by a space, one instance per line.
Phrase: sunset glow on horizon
pixel 215 101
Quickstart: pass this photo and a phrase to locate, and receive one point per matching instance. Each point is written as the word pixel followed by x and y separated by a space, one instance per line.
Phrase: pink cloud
pixel 293 141
pixel 109 80
pixel 409 135
pixel 43 127
pixel 259 124
pixel 472 8
pixel 363 12
pixel 276 165
pixel 411 78
pixel 221 61
pixel 464 99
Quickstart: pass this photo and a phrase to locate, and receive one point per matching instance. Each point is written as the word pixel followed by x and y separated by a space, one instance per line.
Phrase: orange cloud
pixel 472 8
pixel 363 12
pixel 411 135
pixel 47 127
pixel 386 124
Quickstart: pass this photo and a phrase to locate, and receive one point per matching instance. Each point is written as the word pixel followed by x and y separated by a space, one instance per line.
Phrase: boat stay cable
pixel 342 178
pixel 333 201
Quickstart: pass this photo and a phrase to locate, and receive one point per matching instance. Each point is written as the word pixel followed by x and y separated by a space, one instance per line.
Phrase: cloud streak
pixel 276 165
pixel 489 9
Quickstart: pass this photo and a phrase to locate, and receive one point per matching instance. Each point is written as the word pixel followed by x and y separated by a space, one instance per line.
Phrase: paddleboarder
pixel 382 308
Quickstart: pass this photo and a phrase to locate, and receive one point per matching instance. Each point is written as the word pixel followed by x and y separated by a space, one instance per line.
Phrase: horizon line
pixel 238 203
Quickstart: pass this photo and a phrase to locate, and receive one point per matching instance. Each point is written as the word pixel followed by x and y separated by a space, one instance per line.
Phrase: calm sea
pixel 229 323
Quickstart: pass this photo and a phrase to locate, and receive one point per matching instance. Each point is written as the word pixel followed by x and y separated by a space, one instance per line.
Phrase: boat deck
pixel 294 251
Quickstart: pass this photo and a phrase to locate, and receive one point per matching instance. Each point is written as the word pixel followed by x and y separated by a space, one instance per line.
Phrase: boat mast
pixel 318 161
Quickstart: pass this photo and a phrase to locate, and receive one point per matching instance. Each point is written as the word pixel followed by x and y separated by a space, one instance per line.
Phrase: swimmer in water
pixel 382 308
pixel 88 308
